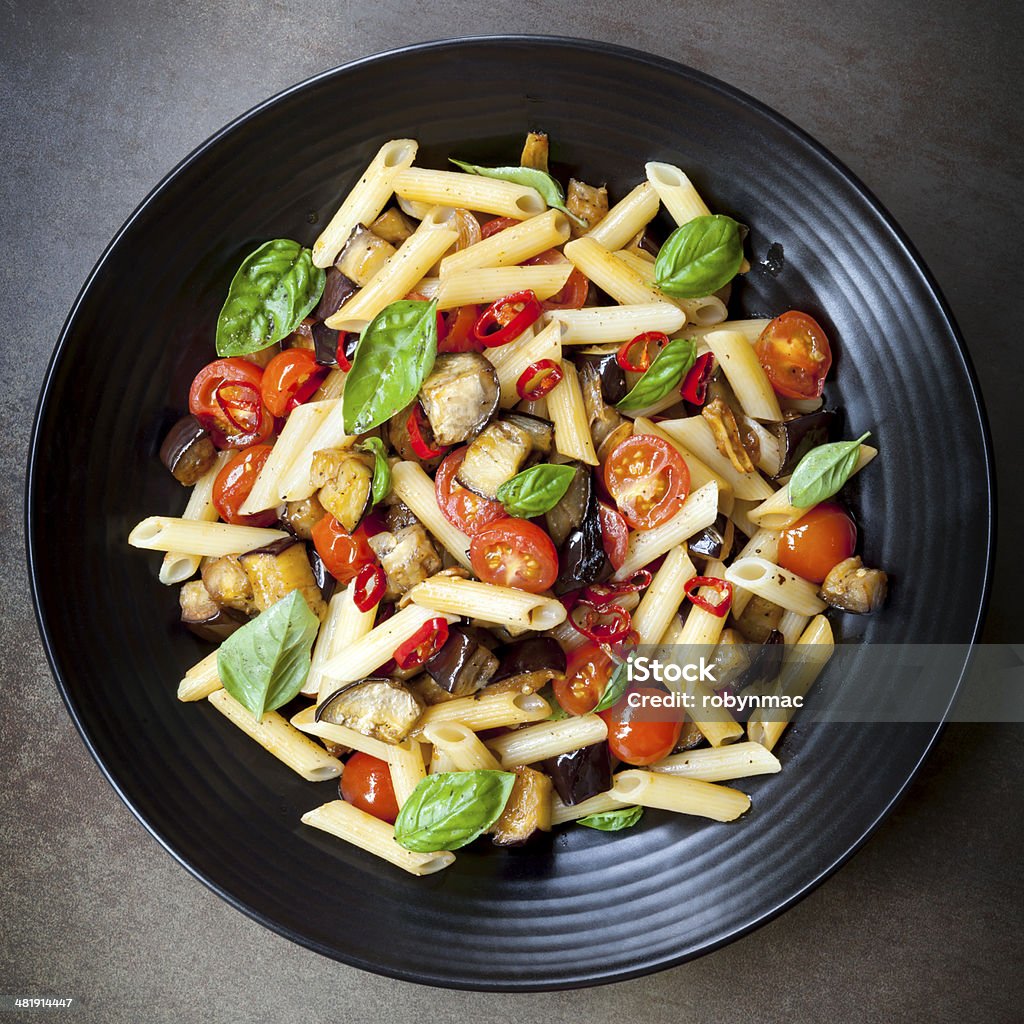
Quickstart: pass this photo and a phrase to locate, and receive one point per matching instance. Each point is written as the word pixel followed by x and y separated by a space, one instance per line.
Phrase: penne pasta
pixel 484 285
pixel 165 533
pixel 488 711
pixel 296 482
pixel 469 191
pixel 567 412
pixel 750 329
pixel 464 749
pixel 748 380
pixel 511 246
pixel 627 218
pixel 780 586
pixel 610 274
pixel 200 680
pixel 792 626
pixel 343 625
pixel 662 598
pixel 606 325
pixel 548 739
pixel 562 813
pixel 413 487
pixel 503 606
pixel 511 361
pixel 676 192
pixel 720 764
pixel 681 795
pixel 709 309
pixel 762 544
pixel 305 721
pixel 407 769
pixel 702 628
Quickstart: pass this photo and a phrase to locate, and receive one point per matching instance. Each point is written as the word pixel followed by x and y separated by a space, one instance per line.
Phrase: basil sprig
pixel 536 490
pixel 700 257
pixel 613 821
pixel 395 353
pixel 450 809
pixel 823 471
pixel 548 187
pixel 381 468
pixel 616 686
pixel 274 288
pixel 667 371
pixel 264 664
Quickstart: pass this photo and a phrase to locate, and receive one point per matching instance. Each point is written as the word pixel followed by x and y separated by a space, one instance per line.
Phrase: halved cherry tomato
pixel 587 671
pixel 492 227
pixel 633 734
pixel 462 508
pixel 795 354
pixel 233 484
pixel 225 398
pixel 614 533
pixel 573 294
pixel 515 553
pixel 366 784
pixel 819 540
pixel 459 337
pixel 290 379
pixel 648 480
pixel 342 553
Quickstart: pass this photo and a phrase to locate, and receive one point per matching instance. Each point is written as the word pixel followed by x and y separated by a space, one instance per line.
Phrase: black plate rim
pixel 598 48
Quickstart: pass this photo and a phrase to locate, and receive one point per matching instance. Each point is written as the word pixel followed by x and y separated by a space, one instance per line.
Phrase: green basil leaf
pixel 264 664
pixel 450 809
pixel 616 686
pixel 699 258
pixel 536 490
pixel 392 359
pixel 381 468
pixel 275 287
pixel 667 371
pixel 823 471
pixel 613 821
pixel 548 187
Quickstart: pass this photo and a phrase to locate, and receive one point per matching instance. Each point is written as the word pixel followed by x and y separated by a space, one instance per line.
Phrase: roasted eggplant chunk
pixel 714 541
pixel 364 254
pixel 528 664
pixel 571 509
pixel 393 226
pixel 278 569
pixel 765 661
pixel 581 557
pixel 227 583
pixel 397 514
pixel 324 580
pixel 799 434
pixel 720 418
pixel 301 516
pixel 494 458
pixel 187 450
pixel 582 773
pixel 207 619
pixel 338 289
pixel 588 203
pixel 527 811
pixel 345 479
pixel 381 707
pixel 541 431
pixel 689 737
pixel 460 397
pixel 462 666
pixel 407 556
pixel 607 427
pixel 852 587
pixel 606 365
pixel 759 619
pixel 535 151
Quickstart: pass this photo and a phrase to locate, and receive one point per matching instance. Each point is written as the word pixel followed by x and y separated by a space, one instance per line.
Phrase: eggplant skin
pixel 527 665
pixel 582 773
pixel 187 451
pixel 301 516
pixel 345 479
pixel 337 290
pixel 274 574
pixel 382 708
pixel 459 397
pixel 527 811
pixel 582 557
pixel 407 557
pixel 204 617
pixel 462 666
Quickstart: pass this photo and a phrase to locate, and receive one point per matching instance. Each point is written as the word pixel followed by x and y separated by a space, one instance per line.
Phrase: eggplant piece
pixel 325 344
pixel 571 509
pixel 765 662
pixel 397 514
pixel 324 579
pixel 689 738
pixel 541 431
pixel 227 583
pixel 364 254
pixel 582 773
pixel 851 587
pixel 528 809
pixel 722 421
pixel 338 289
pixel 462 666
pixel 187 451
pixel 607 427
pixel 759 619
pixel 714 541
pixel 797 436
pixel 588 203
pixel 581 558
pixel 301 337
pixel 345 481
pixel 730 659
pixel 393 226
pixel 459 397
pixel 429 692
pixel 379 707
pixel 535 151
pixel 301 516
pixel 606 365
pixel 528 664
pixel 494 458
pixel 276 570
pixel 207 619
pixel 645 241
pixel 408 557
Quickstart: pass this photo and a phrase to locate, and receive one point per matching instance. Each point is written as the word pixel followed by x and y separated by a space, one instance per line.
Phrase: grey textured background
pixel 922 100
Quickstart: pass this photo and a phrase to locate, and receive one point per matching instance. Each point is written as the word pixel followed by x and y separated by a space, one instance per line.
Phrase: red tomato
pixel 648 480
pixel 632 735
pixel 343 553
pixel 225 398
pixel 817 541
pixel 587 671
pixel 492 227
pixel 366 784
pixel 614 534
pixel 290 379
pixel 575 290
pixel 460 331
pixel 462 508
pixel 233 484
pixel 795 354
pixel 515 553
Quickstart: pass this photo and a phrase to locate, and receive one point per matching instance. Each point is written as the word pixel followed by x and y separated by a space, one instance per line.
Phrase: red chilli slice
pixel 506 319
pixel 430 637
pixel 722 587
pixel 538 380
pixel 371 582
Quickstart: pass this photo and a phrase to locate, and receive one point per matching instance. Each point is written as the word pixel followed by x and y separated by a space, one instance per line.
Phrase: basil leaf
pixel 667 371
pixel 392 359
pixel 381 468
pixel 548 187
pixel 699 258
pixel 823 471
pixel 450 809
pixel 615 687
pixel 264 664
pixel 274 288
pixel 613 821
pixel 536 490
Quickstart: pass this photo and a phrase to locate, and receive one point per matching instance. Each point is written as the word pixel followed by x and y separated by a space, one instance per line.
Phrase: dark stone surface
pixel 923 101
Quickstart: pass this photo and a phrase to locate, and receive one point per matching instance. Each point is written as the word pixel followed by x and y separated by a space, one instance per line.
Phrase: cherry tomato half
pixel 290 379
pixel 233 484
pixel 648 480
pixel 225 397
pixel 795 354
pixel 633 735
pixel 366 784
pixel 342 553
pixel 587 671
pixel 514 553
pixel 614 534
pixel 573 294
pixel 462 508
pixel 492 227
pixel 459 336
pixel 817 541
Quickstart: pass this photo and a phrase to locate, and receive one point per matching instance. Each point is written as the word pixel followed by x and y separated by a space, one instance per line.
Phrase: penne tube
pixel 490 711
pixel 672 631
pixel 612 325
pixel 716 724
pixel 343 625
pixel 354 826
pixel 503 606
pixel 792 626
pixel 305 721
pixel 296 482
pixel 676 191
pixel 465 750
pixel 682 795
pixel 720 764
pixel 707 310
pixel 512 246
pixel 610 274
pixel 179 566
pixel 165 533
pixel 627 218
pixel 750 329
pixel 562 813
pixel 441 761
pixel 511 361
pixel 200 680
pixel 762 544
pixel 469 191
pixel 663 597
pixel 745 375
pixel 279 738
pixel 780 586
pixel 407 769
pixel 567 412
pixel 700 474
pixel 333 386
pixel 699 510
pixel 485 285
pixel 413 487
pixel 548 739
pixel 366 200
